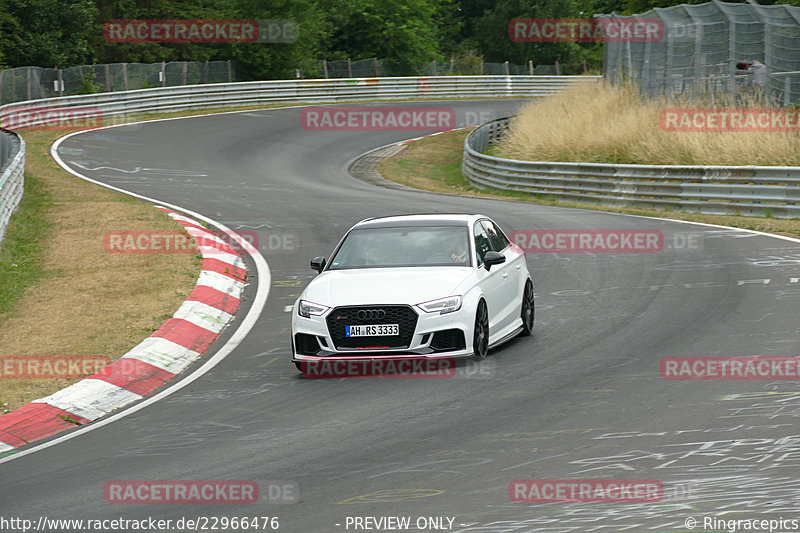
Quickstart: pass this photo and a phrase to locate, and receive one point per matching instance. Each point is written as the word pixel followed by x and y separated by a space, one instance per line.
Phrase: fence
pixel 702 45
pixel 29 83
pixel 373 67
pixel 740 190
pixel 166 99
pixel 33 83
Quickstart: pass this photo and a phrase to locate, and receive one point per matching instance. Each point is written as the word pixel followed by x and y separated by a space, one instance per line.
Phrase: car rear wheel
pixel 527 309
pixel 480 337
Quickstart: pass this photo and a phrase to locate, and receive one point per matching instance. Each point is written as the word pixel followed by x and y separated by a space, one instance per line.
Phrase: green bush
pixel 88 85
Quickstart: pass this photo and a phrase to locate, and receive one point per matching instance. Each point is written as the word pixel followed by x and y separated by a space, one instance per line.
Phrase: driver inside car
pixel 457 250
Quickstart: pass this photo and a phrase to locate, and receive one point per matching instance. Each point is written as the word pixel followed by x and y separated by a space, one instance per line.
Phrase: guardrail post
pixel 375 64
pixel 530 67
pixel 125 75
pixel 505 67
pixel 108 78
pixel 787 88
pixel 60 74
pixel 184 72
pixel 732 55
pixel 325 67
pixel 163 74
pixel 349 68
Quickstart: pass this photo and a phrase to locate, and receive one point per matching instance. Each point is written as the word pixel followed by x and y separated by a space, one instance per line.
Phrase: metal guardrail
pixel 734 190
pixel 112 107
pixel 165 99
pixel 12 175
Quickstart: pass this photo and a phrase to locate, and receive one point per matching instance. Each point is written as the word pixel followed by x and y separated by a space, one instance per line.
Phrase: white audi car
pixel 428 286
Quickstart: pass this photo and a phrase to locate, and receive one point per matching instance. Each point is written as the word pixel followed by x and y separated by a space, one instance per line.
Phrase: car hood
pixel 408 285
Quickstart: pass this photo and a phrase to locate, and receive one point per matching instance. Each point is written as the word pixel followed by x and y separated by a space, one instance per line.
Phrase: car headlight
pixel 308 309
pixel 442 305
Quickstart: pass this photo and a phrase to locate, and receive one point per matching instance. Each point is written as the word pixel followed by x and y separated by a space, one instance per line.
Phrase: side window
pixel 496 237
pixel 482 244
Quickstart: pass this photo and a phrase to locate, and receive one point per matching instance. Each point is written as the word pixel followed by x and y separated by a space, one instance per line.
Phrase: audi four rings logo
pixel 371 314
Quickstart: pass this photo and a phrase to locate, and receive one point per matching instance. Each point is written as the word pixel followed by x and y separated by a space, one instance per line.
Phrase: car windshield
pixel 403 247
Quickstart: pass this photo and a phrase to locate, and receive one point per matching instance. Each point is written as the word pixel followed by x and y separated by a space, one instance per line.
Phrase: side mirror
pixel 318 263
pixel 493 258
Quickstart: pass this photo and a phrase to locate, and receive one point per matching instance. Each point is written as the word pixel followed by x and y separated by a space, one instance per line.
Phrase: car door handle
pixel 505 275
pixel 519 267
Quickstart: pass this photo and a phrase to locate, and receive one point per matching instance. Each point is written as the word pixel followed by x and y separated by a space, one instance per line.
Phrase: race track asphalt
pixel 580 399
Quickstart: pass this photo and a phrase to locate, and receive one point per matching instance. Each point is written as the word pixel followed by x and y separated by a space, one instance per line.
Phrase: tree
pixel 254 60
pixel 402 31
pixel 158 10
pixel 280 60
pixel 490 33
pixel 47 33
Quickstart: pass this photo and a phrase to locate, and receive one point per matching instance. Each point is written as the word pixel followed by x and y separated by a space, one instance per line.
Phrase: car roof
pixel 420 219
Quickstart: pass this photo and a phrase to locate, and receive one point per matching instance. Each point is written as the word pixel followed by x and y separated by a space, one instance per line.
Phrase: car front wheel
pixel 527 309
pixel 480 337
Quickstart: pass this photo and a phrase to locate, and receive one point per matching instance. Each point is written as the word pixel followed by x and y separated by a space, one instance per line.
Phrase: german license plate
pixel 379 330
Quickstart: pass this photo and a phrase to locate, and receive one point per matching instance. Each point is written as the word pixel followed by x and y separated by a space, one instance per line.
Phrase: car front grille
pixel 402 315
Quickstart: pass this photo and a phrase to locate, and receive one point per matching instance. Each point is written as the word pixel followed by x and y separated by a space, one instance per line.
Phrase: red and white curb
pixel 155 361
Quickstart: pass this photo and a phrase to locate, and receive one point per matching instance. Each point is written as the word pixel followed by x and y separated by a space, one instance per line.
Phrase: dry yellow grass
pixel 90 302
pixel 601 123
pixel 434 164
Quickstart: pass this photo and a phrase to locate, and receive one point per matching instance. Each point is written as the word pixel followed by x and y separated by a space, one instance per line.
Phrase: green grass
pixel 22 248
